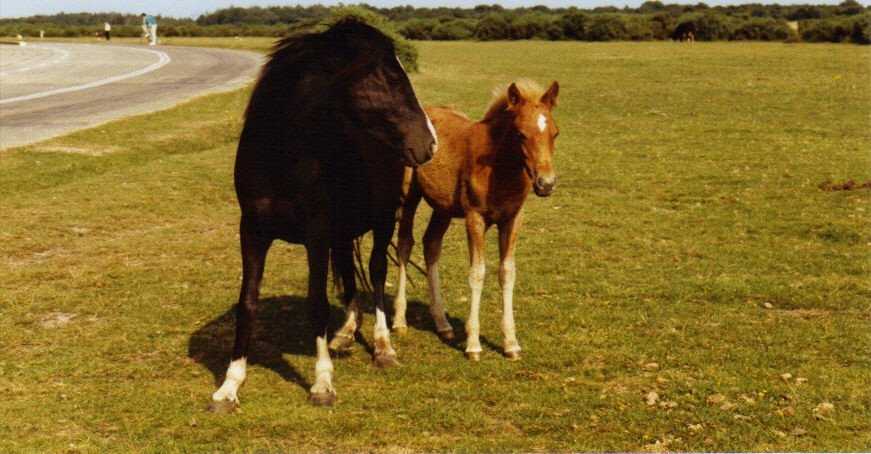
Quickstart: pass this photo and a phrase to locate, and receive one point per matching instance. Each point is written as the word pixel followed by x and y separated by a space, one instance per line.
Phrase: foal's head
pixel 535 131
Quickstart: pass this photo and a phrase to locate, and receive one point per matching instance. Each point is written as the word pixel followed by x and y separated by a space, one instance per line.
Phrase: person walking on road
pixel 107 30
pixel 149 26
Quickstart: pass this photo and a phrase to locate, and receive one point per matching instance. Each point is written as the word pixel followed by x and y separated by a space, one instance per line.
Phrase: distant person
pixel 149 26
pixel 107 30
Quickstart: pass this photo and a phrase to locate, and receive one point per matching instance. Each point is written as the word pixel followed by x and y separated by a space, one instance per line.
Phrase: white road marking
pixel 163 60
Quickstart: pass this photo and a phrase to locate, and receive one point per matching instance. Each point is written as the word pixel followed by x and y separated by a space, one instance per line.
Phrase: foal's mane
pixel 528 89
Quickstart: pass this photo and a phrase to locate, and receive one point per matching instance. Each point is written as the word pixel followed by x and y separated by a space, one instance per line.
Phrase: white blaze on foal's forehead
pixel 542 122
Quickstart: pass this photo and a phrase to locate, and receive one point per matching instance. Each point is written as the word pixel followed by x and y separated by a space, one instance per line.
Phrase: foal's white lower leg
pixel 322 392
pixel 400 302
pixel 228 393
pixel 506 281
pixel 473 326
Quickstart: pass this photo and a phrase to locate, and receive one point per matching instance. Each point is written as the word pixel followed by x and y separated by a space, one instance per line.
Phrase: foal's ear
pixel 514 97
pixel 549 97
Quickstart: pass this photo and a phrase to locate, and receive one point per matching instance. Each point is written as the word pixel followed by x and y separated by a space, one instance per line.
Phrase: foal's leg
pixel 317 249
pixel 254 247
pixel 475 229
pixel 403 252
pixel 343 263
pixel 507 239
pixel 432 250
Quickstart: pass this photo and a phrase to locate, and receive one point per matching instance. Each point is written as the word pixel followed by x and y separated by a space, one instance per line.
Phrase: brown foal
pixel 482 173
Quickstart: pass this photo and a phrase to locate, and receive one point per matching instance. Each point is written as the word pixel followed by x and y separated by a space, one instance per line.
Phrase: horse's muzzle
pixel 416 156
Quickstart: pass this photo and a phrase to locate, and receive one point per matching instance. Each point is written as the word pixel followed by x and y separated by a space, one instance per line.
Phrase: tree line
pixel 848 21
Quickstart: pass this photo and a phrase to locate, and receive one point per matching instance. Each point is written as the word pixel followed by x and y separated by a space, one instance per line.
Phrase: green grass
pixel 686 251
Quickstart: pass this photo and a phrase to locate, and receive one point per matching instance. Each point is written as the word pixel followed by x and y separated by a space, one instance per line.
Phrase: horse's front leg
pixel 385 355
pixel 254 248
pixel 507 239
pixel 475 230
pixel 343 264
pixel 317 249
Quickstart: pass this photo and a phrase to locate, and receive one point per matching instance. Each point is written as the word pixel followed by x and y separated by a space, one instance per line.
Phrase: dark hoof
pixel 222 406
pixel 341 342
pixel 513 356
pixel 473 356
pixel 447 335
pixel 322 399
pixel 385 361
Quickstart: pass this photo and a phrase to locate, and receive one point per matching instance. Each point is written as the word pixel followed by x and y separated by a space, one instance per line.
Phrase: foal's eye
pixel 521 136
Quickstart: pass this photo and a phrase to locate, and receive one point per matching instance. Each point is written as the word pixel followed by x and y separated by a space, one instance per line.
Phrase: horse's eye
pixel 521 136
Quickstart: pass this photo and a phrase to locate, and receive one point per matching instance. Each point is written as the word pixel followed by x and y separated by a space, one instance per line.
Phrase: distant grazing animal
pixel 331 125
pixel 483 173
pixel 685 31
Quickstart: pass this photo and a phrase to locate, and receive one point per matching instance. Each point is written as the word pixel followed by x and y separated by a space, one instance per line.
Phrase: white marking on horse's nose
pixel 432 131
pixel 542 122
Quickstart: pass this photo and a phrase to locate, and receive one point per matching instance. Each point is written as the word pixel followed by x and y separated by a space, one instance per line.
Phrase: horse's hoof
pixel 342 342
pixel 513 355
pixel 385 361
pixel 473 356
pixel 222 406
pixel 447 335
pixel 400 330
pixel 322 399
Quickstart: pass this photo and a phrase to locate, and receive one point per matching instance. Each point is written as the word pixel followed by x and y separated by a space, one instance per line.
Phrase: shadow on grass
pixel 283 326
pixel 418 317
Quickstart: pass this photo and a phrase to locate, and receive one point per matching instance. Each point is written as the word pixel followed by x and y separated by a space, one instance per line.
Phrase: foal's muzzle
pixel 543 185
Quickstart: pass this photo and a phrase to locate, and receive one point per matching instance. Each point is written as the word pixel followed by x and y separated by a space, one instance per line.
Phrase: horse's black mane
pixel 348 46
pixel 349 41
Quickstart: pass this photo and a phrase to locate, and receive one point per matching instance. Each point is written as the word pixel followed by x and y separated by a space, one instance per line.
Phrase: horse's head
pixel 536 132
pixel 379 98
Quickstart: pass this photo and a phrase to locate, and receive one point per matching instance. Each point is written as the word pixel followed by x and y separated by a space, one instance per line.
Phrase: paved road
pixel 51 89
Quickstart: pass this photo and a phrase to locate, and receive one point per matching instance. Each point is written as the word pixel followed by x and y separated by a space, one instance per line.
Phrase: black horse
pixel 330 126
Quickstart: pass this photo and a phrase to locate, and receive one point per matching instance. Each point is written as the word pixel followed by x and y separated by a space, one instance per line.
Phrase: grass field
pixel 685 264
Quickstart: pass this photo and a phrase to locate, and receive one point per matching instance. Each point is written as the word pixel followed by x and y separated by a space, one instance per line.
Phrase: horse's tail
pixel 357 260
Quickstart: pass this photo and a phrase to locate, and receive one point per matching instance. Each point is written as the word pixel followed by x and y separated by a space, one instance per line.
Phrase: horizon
pixel 191 9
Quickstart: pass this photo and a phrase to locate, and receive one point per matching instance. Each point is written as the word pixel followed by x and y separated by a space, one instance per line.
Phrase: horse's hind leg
pixel 432 250
pixel 343 263
pixel 405 243
pixel 254 249
pixel 385 355
pixel 317 249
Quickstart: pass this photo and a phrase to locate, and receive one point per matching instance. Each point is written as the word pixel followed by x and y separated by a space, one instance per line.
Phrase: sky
pixel 194 8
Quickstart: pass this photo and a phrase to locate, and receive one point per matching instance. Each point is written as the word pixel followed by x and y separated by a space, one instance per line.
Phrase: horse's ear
pixel 514 96
pixel 550 96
